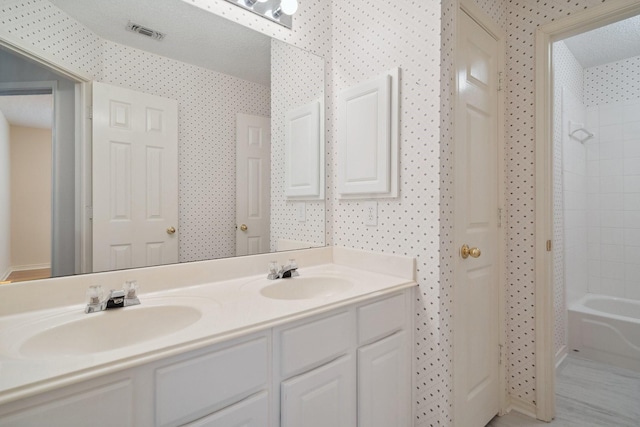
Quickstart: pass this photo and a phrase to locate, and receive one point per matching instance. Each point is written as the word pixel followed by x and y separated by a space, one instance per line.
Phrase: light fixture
pixel 279 11
pixel 289 7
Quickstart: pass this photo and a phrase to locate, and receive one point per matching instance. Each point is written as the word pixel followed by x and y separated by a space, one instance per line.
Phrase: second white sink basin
pixel 110 330
pixel 305 287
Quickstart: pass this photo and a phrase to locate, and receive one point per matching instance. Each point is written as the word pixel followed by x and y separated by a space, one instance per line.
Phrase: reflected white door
pixel 135 179
pixel 476 303
pixel 253 184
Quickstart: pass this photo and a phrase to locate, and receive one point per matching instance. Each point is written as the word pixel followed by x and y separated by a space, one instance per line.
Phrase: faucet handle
pixel 130 288
pixel 95 294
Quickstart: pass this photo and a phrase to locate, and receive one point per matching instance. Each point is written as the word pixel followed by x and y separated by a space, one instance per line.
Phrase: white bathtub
pixel 606 329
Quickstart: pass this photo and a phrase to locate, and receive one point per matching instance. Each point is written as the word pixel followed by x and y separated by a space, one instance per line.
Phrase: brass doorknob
pixel 466 252
pixel 244 227
pixel 171 230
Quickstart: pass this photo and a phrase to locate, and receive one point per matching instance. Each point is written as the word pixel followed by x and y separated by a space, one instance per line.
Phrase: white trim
pixel 526 408
pixel 499 34
pixel 561 354
pixel 40 56
pixel 606 13
pixel 83 239
pixel 29 267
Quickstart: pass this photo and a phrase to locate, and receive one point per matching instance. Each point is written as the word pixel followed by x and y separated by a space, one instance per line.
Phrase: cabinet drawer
pixel 102 406
pixel 252 412
pixel 192 388
pixel 381 318
pixel 308 345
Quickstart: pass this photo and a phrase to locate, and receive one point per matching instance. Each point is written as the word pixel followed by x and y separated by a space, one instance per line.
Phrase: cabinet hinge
pixel 548 245
pixel 499 217
pixel 500 80
pixel 499 354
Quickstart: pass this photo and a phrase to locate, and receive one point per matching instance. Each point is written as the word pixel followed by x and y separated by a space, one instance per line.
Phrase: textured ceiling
pixel 34 111
pixel 611 43
pixel 193 35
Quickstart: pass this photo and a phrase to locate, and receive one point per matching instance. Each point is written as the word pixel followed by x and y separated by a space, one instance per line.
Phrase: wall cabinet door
pixel 322 397
pixel 383 383
pixel 252 412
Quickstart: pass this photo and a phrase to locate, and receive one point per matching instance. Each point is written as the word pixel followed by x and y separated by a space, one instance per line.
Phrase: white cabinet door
pixel 383 383
pixel 252 412
pixel 322 397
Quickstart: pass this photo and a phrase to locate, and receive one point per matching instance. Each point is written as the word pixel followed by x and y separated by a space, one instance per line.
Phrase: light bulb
pixel 262 1
pixel 289 6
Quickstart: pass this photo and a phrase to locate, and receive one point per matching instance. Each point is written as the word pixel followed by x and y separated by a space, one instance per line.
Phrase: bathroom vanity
pixel 227 348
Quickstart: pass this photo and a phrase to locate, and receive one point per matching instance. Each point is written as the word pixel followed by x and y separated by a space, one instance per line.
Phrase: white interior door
pixel 476 294
pixel 253 184
pixel 135 179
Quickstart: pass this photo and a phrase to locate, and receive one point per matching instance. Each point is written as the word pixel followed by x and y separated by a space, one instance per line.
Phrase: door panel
pixel 476 303
pixel 253 184
pixel 135 178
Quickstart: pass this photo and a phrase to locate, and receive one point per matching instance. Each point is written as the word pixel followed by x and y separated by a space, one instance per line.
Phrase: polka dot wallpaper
pixel 567 73
pixel 297 78
pixel 360 39
pixel 611 83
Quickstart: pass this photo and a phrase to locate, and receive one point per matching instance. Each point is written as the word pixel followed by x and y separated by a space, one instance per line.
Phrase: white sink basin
pixel 305 287
pixel 110 330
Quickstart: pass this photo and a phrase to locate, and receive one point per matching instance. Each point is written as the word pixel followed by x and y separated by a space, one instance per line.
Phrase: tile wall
pixel 613 165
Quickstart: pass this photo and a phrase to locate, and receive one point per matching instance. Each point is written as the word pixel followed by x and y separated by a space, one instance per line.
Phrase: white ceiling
pixel 193 35
pixel 607 44
pixel 35 111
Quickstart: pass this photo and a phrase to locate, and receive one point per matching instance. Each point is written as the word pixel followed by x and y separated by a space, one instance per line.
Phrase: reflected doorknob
pixel 466 252
pixel 171 230
pixel 244 227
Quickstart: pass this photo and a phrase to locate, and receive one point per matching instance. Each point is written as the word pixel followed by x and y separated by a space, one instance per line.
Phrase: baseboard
pixel 526 408
pixel 28 267
pixel 561 354
pixel 6 274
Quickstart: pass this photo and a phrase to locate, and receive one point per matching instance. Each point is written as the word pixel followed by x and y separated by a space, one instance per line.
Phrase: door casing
pixel 577 23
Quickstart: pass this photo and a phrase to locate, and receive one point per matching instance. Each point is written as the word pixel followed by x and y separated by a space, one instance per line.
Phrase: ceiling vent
pixel 136 28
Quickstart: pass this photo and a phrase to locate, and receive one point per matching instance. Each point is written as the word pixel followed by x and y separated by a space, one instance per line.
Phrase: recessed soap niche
pixel 368 138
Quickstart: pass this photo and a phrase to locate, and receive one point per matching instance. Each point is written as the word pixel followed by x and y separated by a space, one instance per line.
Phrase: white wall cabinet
pixel 344 368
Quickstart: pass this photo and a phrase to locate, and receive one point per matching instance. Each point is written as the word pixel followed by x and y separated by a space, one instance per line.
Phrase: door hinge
pixel 548 245
pixel 500 80
pixel 500 347
pixel 499 217
pixel 90 113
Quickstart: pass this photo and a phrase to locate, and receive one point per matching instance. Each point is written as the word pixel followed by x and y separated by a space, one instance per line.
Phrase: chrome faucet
pixel 285 272
pixel 116 299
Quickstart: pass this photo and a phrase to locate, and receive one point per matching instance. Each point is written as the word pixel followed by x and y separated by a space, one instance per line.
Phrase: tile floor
pixel 588 394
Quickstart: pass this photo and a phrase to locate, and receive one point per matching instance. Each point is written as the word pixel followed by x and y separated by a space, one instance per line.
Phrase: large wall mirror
pixel 68 67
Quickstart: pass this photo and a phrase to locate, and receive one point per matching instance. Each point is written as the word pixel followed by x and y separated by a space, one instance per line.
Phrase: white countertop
pixel 229 308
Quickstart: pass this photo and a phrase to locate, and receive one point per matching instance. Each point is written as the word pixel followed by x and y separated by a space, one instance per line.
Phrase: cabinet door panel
pixel 252 412
pixel 383 383
pixel 322 397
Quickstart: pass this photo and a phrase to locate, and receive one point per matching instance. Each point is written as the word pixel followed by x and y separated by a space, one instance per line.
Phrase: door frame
pixel 83 209
pixel 586 20
pixel 467 6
